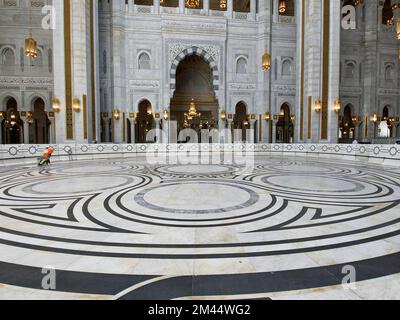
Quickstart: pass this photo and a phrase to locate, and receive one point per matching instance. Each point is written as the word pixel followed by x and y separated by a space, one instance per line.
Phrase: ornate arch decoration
pixel 34 96
pixel 201 53
pixel 5 97
pixel 3 50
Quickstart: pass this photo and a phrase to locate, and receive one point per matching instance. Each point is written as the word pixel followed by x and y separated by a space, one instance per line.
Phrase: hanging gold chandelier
pixel 31 49
pixel 222 4
pixel 266 61
pixel 193 4
pixel 282 6
pixel 192 113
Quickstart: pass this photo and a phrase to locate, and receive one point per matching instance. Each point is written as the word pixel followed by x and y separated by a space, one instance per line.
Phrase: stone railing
pixel 27 154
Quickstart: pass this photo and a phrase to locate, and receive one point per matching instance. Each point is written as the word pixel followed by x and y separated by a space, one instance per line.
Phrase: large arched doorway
pixel 284 127
pixel 39 128
pixel 194 89
pixel 241 122
pixel 12 125
pixel 347 127
pixel 144 121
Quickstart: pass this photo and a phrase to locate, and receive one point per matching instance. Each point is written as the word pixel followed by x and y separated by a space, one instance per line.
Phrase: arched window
pixel 8 57
pixel 389 72
pixel 287 67
pixel 38 61
pixel 350 70
pixel 241 66
pixel 144 61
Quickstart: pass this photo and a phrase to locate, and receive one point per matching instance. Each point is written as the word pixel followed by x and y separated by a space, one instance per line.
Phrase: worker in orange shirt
pixel 44 160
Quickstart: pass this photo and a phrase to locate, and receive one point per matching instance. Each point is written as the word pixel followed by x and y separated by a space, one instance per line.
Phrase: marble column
pixel 181 6
pixel 52 130
pixel 119 80
pixel 75 74
pixel 357 131
pixel 130 5
pixel 253 9
pixel 314 55
pixel 274 123
pixel 59 82
pixel 158 131
pixel 156 6
pixel 166 124
pixel 229 11
pixel 252 138
pixel 133 131
pixel 370 64
pixel 230 129
pixel 275 14
pixel 107 137
pixel 334 69
pixel 206 7
pixel 26 130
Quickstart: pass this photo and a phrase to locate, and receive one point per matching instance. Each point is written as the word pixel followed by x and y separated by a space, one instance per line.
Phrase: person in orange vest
pixel 44 160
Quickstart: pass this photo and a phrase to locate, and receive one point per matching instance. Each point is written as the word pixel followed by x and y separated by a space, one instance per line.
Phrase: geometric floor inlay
pixel 123 229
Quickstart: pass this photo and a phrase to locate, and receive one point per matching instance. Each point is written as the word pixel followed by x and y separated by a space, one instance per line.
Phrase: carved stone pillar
pixel 158 131
pixel 107 129
pixel 253 9
pixel 230 128
pixel 230 9
pixel 26 129
pixel 206 7
pixel 274 123
pixel 253 136
pixel 156 5
pixel 52 130
pixel 181 6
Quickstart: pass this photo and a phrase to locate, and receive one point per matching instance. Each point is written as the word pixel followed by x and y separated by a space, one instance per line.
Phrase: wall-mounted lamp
pixel 56 104
pixel 76 105
pixel 293 118
pixel 29 117
pixel 374 118
pixel 223 115
pixel 166 115
pixel 267 116
pixel 318 105
pixel 116 114
pixel 266 61
pixel 337 105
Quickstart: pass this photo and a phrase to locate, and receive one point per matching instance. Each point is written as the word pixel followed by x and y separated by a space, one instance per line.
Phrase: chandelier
pixel 192 113
pixel 31 50
pixel 193 4
pixel 222 4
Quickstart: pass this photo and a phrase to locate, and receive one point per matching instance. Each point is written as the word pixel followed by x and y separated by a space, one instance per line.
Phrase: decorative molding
pixel 144 84
pixel 242 86
pixel 175 48
pixel 35 81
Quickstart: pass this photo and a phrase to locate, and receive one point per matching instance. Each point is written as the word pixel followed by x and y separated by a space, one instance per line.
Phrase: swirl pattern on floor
pixel 108 225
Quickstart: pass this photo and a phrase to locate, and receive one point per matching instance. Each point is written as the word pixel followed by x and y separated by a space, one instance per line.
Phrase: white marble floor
pixel 290 228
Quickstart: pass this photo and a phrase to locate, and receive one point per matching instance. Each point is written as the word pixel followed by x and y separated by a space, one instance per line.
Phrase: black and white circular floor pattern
pixel 125 229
